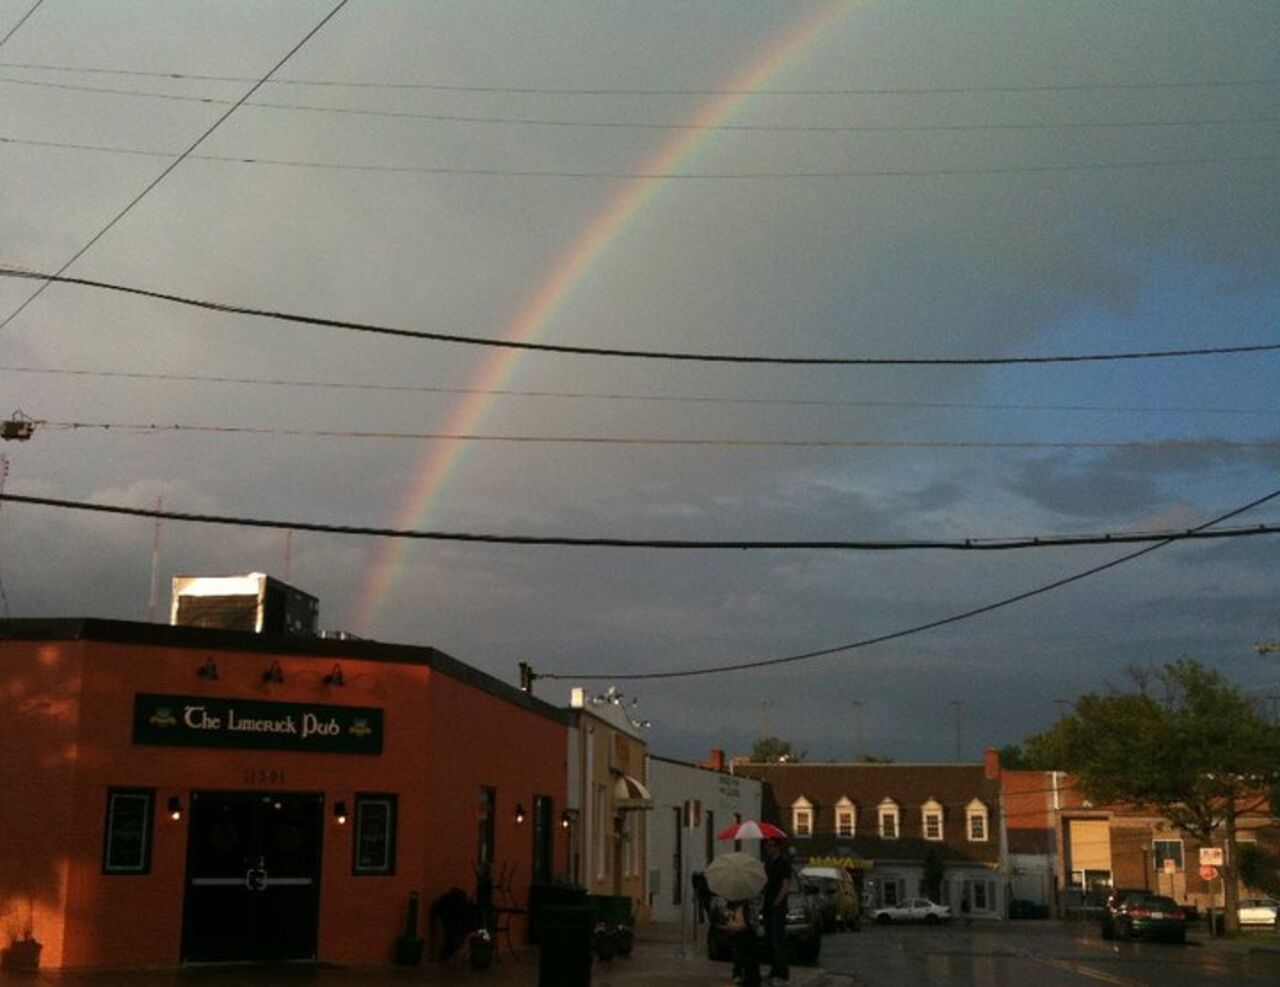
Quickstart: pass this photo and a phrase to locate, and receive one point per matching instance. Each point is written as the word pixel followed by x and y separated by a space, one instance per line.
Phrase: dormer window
pixel 931 820
pixel 888 820
pixel 846 818
pixel 802 818
pixel 976 822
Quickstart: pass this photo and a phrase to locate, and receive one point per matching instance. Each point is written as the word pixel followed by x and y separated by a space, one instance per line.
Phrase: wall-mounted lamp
pixel 175 808
pixel 209 670
pixel 519 813
pixel 567 818
pixel 340 812
pixel 335 676
pixel 274 673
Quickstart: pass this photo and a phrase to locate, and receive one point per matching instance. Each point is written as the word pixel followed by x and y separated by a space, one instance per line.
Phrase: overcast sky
pixel 930 180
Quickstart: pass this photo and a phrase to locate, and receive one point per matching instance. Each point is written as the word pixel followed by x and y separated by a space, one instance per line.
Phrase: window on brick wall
pixel 802 818
pixel 1162 850
pixel 846 818
pixel 888 820
pixel 931 820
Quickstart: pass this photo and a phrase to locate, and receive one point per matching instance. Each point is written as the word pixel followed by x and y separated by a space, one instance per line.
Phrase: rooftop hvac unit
pixel 254 602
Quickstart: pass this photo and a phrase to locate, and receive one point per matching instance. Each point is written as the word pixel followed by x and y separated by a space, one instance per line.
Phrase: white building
pixel 692 803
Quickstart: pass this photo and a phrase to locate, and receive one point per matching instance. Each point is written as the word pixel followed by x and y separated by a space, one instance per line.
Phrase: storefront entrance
pixel 253 876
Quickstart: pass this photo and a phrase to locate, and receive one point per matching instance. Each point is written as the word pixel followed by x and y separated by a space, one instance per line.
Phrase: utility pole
pixel 958 706
pixel 153 604
pixel 860 747
pixel 4 475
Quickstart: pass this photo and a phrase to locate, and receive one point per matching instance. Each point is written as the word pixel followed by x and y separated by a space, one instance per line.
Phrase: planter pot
pixel 22 954
pixel 606 947
pixel 481 953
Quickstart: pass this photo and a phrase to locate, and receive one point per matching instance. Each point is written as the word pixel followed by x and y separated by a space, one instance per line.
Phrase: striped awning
pixel 630 793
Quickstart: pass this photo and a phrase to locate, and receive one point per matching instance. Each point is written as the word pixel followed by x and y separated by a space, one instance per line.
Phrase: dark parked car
pixel 804 927
pixel 1141 914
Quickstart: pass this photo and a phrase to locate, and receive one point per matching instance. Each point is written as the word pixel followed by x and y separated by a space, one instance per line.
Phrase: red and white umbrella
pixel 751 829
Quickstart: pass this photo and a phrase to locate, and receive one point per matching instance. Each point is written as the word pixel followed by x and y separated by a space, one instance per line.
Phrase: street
pixel 1045 954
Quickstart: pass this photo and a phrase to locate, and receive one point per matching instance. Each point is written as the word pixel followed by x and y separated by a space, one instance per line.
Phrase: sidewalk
pixel 657 960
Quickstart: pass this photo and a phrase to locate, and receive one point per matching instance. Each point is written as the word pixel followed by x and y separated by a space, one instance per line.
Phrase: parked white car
pixel 1258 911
pixel 914 910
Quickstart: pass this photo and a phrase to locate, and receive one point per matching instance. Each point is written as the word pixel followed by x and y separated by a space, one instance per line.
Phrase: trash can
pixel 565 956
pixel 551 895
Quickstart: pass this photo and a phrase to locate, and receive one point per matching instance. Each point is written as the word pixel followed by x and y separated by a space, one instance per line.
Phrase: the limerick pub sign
pixel 201 721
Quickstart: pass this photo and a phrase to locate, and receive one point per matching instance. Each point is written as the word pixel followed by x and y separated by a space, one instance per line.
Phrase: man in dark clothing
pixel 777 868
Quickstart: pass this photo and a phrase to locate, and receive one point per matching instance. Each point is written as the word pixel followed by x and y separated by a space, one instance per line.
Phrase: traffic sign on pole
pixel 1208 872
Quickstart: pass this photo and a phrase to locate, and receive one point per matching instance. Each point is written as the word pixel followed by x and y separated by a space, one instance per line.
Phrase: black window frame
pixel 363 800
pixel 148 795
pixel 486 825
pixel 544 839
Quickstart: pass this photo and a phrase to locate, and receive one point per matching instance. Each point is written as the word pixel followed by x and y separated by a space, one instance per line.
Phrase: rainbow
pixel 570 269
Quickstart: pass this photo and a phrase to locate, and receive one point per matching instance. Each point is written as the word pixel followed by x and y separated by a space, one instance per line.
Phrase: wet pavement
pixel 1046 954
pixel 657 960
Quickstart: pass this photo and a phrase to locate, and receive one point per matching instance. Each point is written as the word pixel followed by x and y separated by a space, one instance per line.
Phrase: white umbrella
pixel 736 876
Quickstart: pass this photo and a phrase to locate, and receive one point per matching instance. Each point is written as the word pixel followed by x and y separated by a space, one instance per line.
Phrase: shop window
pixel 931 820
pixel 888 820
pixel 1163 850
pixel 375 834
pixel 846 818
pixel 127 842
pixel 976 814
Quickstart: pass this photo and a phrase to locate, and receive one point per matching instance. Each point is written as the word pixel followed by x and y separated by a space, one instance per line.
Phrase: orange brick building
pixel 179 793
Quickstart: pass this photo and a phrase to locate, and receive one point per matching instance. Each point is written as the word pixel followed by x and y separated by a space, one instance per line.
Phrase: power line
pixel 1207 445
pixel 917 628
pixel 1091 86
pixel 384 330
pixel 963 545
pixel 615 396
pixel 21 20
pixel 785 128
pixel 172 165
pixel 442 170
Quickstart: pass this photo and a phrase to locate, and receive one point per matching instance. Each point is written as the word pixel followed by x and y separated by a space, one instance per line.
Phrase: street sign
pixel 1208 871
pixel 1211 856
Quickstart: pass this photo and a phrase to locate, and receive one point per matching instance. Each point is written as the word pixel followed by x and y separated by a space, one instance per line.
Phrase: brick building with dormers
pixel 888 820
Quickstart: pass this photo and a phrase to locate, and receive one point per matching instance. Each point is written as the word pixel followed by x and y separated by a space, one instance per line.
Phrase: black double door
pixel 253 876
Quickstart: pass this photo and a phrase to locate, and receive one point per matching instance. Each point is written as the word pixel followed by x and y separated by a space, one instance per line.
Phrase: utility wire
pixel 954 172
pixel 1092 86
pixel 173 164
pixel 917 628
pixel 897 361
pixel 648 398
pixel 964 545
pixel 785 128
pixel 21 20
pixel 1207 445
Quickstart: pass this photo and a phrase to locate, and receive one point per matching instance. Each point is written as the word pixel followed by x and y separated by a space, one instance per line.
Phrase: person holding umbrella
pixel 737 878
pixel 777 887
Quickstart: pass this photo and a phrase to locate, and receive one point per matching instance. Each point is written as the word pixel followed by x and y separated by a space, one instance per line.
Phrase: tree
pixel 1186 744
pixel 775 749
